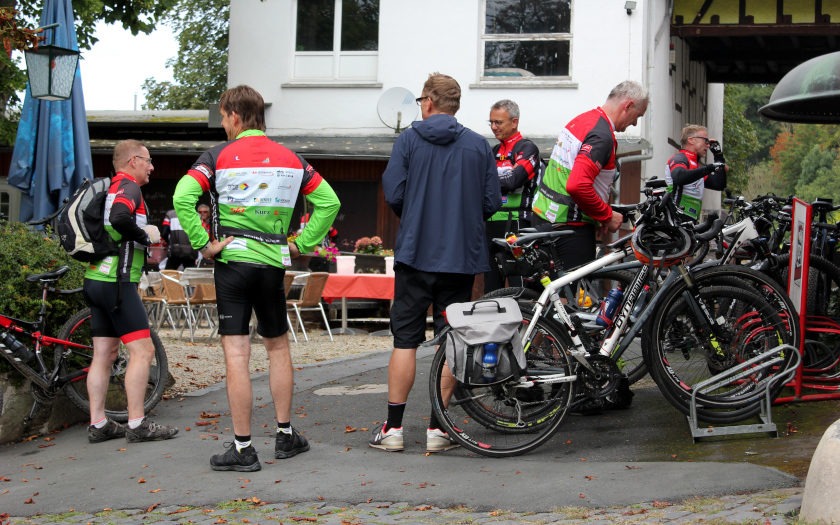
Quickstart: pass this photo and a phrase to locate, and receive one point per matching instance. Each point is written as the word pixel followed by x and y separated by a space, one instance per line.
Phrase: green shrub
pixel 24 252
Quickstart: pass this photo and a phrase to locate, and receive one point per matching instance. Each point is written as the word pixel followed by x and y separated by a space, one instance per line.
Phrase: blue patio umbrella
pixel 52 148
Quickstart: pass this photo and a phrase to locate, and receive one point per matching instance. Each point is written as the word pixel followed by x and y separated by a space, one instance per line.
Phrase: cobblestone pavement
pixel 776 507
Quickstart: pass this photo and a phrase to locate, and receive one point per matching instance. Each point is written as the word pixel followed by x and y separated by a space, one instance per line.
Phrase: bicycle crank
pixel 605 378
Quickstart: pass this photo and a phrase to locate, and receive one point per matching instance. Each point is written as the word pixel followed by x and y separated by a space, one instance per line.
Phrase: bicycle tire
pixel 822 307
pixel 752 326
pixel 502 419
pixel 768 287
pixel 78 330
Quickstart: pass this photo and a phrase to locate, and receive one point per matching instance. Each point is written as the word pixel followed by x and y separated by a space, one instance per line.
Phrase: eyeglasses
pixel 496 123
pixel 420 100
pixel 147 159
pixel 704 139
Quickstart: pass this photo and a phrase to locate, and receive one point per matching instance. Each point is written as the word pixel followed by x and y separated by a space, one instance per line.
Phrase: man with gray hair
pixel 518 163
pixel 574 191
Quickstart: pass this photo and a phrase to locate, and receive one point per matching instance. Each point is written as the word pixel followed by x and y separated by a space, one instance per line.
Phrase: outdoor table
pixel 357 286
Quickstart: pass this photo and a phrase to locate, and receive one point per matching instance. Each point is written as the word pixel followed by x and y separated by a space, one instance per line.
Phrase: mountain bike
pixel 693 329
pixel 60 363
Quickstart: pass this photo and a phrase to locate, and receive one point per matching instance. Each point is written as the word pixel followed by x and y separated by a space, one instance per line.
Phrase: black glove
pixel 713 167
pixel 717 151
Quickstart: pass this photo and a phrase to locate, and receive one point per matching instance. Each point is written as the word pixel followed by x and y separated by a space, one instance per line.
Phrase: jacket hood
pixel 438 129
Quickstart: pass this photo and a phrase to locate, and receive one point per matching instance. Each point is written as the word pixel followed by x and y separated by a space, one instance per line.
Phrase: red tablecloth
pixel 359 286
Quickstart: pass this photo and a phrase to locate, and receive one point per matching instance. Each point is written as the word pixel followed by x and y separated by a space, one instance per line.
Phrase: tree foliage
pixel 138 16
pixel 200 69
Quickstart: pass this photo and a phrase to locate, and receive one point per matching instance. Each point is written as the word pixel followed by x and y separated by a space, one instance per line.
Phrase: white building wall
pixel 420 37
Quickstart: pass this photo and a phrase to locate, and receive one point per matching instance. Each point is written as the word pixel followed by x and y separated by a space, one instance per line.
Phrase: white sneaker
pixel 439 441
pixel 391 441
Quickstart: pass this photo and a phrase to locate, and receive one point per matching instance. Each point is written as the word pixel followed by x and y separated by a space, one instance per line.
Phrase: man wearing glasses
pixel 687 178
pixel 518 163
pixel 441 181
pixel 117 313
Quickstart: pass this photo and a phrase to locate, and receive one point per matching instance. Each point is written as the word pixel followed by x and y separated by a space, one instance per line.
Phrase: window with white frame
pixel 336 40
pixel 526 39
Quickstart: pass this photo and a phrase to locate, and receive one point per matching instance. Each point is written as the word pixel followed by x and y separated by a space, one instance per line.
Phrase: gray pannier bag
pixel 479 322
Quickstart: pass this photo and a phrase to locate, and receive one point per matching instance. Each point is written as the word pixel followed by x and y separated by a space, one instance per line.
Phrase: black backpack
pixel 80 225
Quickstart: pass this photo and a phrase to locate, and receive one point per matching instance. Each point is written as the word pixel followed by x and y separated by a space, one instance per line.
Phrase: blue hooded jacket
pixel 442 183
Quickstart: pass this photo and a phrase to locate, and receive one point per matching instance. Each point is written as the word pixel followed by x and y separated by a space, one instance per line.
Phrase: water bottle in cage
pixel 608 307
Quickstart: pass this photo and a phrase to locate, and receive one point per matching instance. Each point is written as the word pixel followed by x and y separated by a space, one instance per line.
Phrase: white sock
pixel 240 445
pixel 101 423
pixel 134 423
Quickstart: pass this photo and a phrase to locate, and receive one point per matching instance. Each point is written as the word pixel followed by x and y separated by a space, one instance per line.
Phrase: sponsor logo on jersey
pixel 238 209
pixel 263 186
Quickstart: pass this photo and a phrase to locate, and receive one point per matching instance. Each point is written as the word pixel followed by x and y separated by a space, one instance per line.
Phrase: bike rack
pixel 760 362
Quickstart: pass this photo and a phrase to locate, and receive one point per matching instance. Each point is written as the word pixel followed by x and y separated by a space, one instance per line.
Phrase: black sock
pixel 433 421
pixel 242 439
pixel 395 415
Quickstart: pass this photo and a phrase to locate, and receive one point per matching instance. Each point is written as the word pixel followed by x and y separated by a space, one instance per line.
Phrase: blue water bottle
pixel 489 361
pixel 609 306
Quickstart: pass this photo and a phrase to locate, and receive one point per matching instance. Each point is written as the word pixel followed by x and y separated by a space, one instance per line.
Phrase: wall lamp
pixel 629 5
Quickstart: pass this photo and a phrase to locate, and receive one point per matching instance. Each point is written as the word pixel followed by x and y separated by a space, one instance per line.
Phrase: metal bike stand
pixel 747 368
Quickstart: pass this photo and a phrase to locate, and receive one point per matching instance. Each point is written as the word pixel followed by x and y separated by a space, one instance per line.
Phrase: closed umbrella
pixel 52 156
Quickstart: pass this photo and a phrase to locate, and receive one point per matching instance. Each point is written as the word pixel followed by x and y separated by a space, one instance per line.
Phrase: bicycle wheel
pixel 78 330
pixel 681 352
pixel 767 286
pixel 512 417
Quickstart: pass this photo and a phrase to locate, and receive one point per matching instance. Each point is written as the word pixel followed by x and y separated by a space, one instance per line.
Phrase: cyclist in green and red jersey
pixel 253 184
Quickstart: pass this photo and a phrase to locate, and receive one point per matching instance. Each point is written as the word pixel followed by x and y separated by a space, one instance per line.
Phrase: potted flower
pixel 370 254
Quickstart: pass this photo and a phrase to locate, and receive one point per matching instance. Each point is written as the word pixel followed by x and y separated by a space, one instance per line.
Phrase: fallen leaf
pixel 301 518
pixel 634 512
pixel 209 415
pixel 590 478
pixel 348 429
pixel 423 507
pixel 582 495
pixel 154 491
pixel 28 501
pixel 631 467
pixel 206 423
pixel 660 504
pixel 152 507
pixel 320 498
pixel 141 480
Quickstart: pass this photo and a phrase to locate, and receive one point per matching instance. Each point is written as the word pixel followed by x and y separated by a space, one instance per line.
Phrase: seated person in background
pixel 181 252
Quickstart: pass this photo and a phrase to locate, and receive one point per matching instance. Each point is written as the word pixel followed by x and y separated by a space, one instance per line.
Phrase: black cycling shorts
pixel 414 292
pixel 129 322
pixel 242 287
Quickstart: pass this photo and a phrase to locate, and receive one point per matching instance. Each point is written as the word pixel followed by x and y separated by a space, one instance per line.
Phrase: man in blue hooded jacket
pixel 442 182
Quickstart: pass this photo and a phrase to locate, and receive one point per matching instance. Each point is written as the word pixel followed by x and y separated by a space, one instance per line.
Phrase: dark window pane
pixel 360 25
pixel 527 16
pixel 540 58
pixel 315 25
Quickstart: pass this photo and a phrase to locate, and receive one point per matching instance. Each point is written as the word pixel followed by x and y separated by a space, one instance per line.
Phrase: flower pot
pixel 345 264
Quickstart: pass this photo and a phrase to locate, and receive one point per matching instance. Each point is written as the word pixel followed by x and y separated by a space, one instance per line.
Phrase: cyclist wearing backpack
pixel 181 252
pixel 518 164
pixel 118 316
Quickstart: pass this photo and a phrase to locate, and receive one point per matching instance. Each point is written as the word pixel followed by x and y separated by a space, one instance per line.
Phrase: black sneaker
pixel 111 430
pixel 149 431
pixel 232 459
pixel 289 445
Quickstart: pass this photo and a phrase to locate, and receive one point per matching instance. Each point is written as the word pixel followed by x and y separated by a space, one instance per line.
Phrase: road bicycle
pixel 61 363
pixel 693 329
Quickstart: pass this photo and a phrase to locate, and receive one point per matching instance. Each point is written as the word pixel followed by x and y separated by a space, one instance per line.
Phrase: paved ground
pixel 633 466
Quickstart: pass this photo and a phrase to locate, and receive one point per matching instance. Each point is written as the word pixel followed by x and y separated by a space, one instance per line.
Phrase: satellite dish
pixel 396 108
